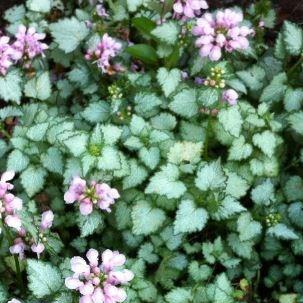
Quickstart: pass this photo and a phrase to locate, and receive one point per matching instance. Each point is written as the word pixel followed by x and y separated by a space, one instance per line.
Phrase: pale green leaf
pixel 189 218
pixel 68 33
pixel 38 87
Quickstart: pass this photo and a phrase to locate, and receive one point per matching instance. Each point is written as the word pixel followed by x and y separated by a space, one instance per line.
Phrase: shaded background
pixel 286 9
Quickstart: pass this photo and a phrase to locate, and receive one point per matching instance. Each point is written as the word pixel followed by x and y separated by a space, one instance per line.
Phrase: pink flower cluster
pixel 26 47
pixel 5 55
pixel 221 31
pixel 105 50
pixel 100 9
pixel 99 283
pixel 24 242
pixel 186 9
pixel 230 96
pixel 9 204
pixel 98 194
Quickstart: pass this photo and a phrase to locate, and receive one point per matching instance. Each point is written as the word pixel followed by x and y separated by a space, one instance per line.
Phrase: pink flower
pixel 36 245
pixel 5 55
pixel 101 11
pixel 231 96
pixel 38 248
pixel 99 194
pixel 9 204
pixel 221 31
pixel 28 45
pixel 18 248
pixel 13 221
pixel 186 9
pixel 105 50
pixel 47 220
pixel 99 283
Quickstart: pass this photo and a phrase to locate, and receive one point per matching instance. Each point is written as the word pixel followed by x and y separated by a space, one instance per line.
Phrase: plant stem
pixel 4 132
pixel 292 69
pixel 18 271
pixel 205 153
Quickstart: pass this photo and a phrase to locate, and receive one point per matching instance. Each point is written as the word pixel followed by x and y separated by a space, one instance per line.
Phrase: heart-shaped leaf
pixel 189 218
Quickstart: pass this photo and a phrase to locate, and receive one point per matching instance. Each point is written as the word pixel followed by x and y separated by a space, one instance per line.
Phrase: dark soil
pixel 5 4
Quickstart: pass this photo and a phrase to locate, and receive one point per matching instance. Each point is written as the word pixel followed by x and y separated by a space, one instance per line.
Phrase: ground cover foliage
pixel 165 130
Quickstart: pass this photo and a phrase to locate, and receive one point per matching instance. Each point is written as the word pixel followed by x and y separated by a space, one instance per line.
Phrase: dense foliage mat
pixel 151 151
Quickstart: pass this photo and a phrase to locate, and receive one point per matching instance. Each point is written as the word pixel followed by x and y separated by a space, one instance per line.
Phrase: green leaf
pixel 253 77
pixel 143 52
pixel 15 13
pixel 179 295
pixel 111 134
pixel 184 103
pixel 164 121
pixel 63 297
pixel 89 224
pixel 168 79
pixel 3 147
pixel 209 96
pixel 293 99
pixel 146 252
pixel 189 218
pixel 296 122
pixel 241 248
pixel 281 231
pixel 136 175
pixel 133 5
pixel 32 179
pixel 199 273
pixel 144 25
pixel 166 183
pixel 293 38
pixel 239 149
pixel 288 298
pixel 109 159
pixel 53 160
pixel 68 33
pixel 295 213
pixel 266 141
pixel 17 161
pixel 166 32
pixel 280 51
pixel 274 92
pixel 146 219
pixel 77 144
pixel 223 291
pixel 185 152
pixel 237 85
pixel 146 104
pixel 37 132
pixel 236 186
pixel 44 279
pixel 150 156
pixel 3 294
pixel 97 112
pixel 210 176
pixel 231 120
pixel 38 87
pixel 247 227
pixel 40 6
pixel 264 193
pixel 228 208
pixel 10 86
